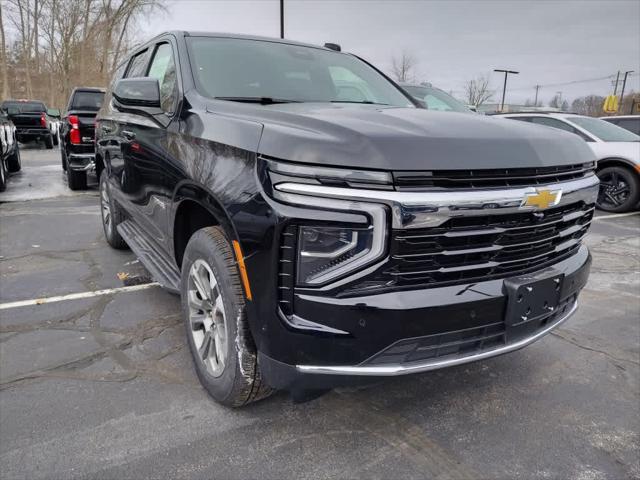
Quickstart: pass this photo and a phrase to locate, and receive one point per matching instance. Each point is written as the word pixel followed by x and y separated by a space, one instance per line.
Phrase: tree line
pixel 48 47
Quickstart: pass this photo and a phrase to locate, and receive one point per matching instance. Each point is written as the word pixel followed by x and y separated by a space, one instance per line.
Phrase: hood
pixel 627 150
pixel 389 138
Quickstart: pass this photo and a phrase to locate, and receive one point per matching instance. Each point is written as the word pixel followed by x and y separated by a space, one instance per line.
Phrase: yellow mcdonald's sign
pixel 610 104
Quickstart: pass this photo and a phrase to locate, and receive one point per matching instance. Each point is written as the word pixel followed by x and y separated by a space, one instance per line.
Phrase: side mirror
pixel 138 94
pixel 53 112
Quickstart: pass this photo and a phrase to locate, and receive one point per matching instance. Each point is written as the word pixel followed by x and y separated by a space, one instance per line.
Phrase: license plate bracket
pixel 532 297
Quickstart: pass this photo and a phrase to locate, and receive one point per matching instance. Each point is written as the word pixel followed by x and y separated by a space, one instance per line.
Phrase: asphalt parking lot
pixel 102 386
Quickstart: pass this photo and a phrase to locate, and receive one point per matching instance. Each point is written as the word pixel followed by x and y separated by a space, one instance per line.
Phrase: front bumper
pixel 462 323
pixel 468 323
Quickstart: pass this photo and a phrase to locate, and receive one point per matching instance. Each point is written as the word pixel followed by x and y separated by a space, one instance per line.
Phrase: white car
pixel 617 151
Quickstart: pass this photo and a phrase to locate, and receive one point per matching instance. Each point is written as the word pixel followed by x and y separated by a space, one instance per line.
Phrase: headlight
pixel 328 252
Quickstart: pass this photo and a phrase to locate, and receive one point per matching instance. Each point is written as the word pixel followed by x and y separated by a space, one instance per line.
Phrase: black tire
pixel 63 158
pixel 77 179
pixel 619 189
pixel 239 382
pixel 48 141
pixel 3 176
pixel 116 215
pixel 14 162
pixel 55 139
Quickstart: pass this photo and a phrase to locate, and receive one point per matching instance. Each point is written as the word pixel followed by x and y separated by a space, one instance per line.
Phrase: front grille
pixel 478 248
pixel 492 178
pixel 465 342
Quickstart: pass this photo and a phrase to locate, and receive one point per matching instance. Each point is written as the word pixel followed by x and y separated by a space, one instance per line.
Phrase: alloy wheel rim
pixel 614 190
pixel 106 208
pixel 207 317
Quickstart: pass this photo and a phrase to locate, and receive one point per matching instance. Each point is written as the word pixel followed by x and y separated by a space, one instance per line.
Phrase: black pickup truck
pixel 77 135
pixel 321 238
pixel 33 121
pixel 9 150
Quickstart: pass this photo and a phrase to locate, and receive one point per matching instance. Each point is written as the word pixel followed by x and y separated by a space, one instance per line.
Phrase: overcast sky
pixel 549 42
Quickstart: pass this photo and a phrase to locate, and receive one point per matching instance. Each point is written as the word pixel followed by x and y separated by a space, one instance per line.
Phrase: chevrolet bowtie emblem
pixel 542 199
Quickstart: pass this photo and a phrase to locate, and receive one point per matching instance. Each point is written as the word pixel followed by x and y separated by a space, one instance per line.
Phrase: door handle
pixel 128 135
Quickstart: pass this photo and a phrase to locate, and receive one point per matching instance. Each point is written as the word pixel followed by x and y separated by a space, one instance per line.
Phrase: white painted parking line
pixel 616 215
pixel 76 296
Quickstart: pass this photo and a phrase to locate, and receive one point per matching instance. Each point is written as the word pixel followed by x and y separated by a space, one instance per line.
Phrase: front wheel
pixel 55 139
pixel 619 189
pixel 213 306
pixel 13 162
pixel 48 142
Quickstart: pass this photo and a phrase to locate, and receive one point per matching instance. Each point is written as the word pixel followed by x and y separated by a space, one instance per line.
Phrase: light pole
pixel 504 88
pixel 281 18
pixel 624 84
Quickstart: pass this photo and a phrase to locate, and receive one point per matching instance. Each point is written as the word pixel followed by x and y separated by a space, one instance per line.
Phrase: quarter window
pixel 164 69
pixel 138 65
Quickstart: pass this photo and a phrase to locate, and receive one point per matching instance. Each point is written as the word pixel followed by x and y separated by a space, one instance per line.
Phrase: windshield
pixel 15 108
pixel 605 131
pixel 436 99
pixel 233 68
pixel 87 101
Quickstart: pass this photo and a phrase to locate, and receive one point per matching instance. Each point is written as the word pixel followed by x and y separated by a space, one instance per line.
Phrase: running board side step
pixel 159 266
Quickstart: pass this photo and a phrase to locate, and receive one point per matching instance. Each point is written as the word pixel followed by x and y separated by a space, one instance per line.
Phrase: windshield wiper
pixel 260 100
pixel 365 102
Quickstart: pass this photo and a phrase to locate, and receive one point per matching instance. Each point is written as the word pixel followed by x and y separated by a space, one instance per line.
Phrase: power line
pixel 572 82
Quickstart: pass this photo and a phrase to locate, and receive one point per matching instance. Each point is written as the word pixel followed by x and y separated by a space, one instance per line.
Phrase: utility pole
pixel 504 88
pixel 281 18
pixel 615 89
pixel 535 102
pixel 624 84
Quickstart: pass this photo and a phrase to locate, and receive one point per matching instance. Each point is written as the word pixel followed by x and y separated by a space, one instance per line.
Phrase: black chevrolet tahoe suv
pixel 77 135
pixel 318 238
pixel 33 121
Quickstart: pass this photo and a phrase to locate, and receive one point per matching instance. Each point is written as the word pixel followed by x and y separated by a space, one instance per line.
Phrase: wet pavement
pixel 103 387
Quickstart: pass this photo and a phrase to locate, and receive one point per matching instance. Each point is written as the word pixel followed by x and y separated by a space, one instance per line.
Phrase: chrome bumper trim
pixel 432 208
pixel 391 370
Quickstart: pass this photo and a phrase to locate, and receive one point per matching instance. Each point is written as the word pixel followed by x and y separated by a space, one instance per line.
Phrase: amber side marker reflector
pixel 243 269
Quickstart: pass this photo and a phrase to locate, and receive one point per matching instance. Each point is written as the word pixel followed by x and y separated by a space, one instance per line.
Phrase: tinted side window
pixel 138 65
pixel 164 69
pixel 522 119
pixel 631 124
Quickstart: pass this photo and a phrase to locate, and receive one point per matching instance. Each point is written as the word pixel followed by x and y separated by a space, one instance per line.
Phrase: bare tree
pixel 60 44
pixel 403 67
pixel 477 91
pixel 6 91
pixel 590 105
